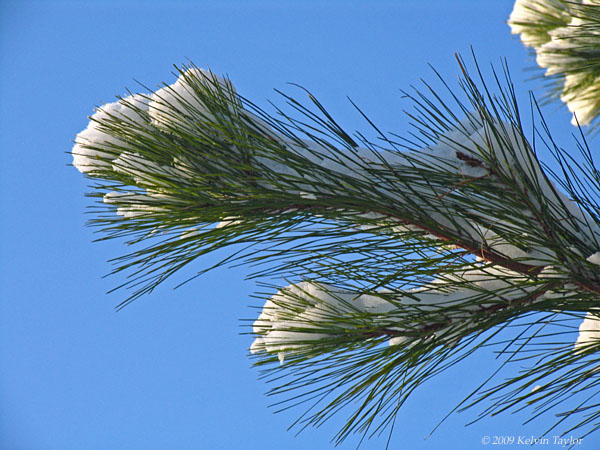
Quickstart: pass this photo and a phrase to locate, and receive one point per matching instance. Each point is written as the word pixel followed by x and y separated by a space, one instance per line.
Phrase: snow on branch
pixel 300 314
pixel 97 147
pixel 435 182
pixel 421 244
pixel 566 38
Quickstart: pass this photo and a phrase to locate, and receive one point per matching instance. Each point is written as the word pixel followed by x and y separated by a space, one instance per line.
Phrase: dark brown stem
pixel 473 248
pixel 477 250
pixel 594 288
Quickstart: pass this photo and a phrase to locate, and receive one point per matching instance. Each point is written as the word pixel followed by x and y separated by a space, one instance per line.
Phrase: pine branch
pixel 437 249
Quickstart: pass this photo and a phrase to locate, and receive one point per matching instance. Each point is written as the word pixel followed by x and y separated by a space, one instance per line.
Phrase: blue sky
pixel 171 370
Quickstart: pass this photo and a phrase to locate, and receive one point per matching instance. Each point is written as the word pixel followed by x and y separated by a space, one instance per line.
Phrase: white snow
pixel 553 28
pixel 595 258
pixel 94 148
pixel 580 93
pixel 130 205
pixel 554 272
pixel 584 102
pixel 301 313
pixel 227 221
pixel 178 106
pixel 527 15
pixel 589 331
pixel 189 233
pixel 148 173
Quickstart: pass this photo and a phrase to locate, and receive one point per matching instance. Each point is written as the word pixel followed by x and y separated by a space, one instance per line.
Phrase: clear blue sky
pixel 171 370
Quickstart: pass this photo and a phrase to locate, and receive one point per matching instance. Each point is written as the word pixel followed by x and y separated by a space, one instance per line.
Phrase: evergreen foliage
pixel 404 255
